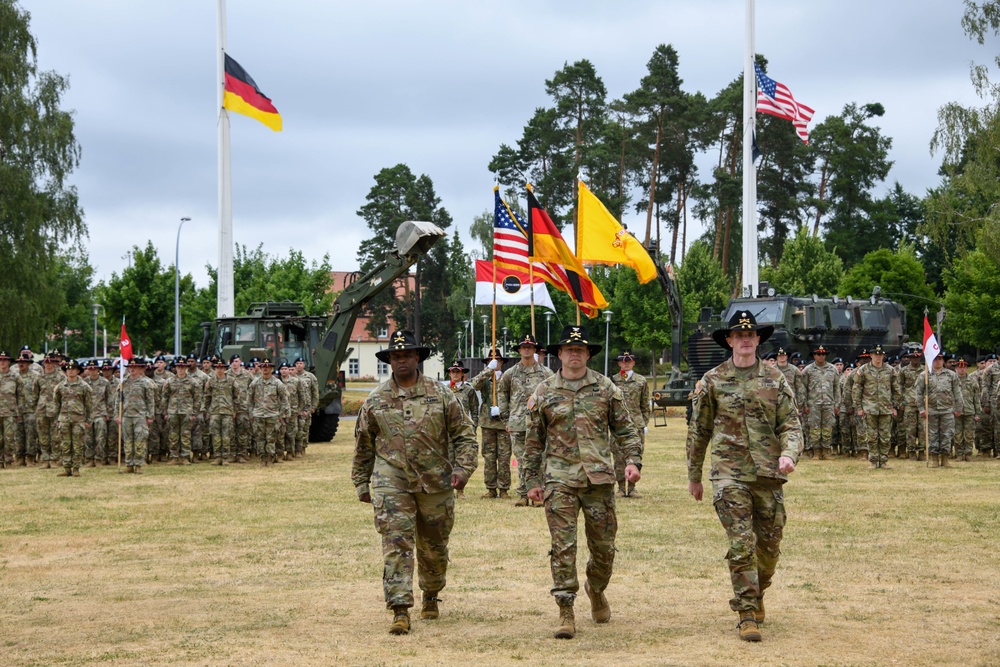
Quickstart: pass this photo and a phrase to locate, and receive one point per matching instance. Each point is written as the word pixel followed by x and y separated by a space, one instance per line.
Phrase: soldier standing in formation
pixel 944 400
pixel 103 402
pixel 912 425
pixel 241 381
pixel 11 397
pixel 745 412
pixel 821 398
pixel 180 404
pixel 135 408
pixel 987 399
pixel 568 449
pixel 72 404
pixel 876 395
pixel 298 402
pixel 845 419
pixel 268 401
pixel 636 392
pixel 312 391
pixel 493 430
pixel 158 444
pixel 218 408
pixel 27 447
pixel 402 467
pixel 45 418
pixel 968 417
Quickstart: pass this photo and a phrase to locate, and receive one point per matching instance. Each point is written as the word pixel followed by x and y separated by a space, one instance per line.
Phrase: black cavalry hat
pixel 878 350
pixel 742 320
pixel 403 340
pixel 820 350
pixel 457 366
pixel 527 339
pixel 4 355
pixel 574 334
pixel 494 353
pixel 626 355
pixel 74 365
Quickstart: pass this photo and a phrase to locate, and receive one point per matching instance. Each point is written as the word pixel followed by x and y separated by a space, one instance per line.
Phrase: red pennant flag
pixel 125 347
pixel 931 347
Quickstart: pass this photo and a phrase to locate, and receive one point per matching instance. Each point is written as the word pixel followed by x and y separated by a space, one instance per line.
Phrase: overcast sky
pixel 437 85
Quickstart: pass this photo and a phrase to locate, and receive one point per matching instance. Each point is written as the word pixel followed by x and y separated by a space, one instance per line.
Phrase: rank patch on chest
pixel 408 412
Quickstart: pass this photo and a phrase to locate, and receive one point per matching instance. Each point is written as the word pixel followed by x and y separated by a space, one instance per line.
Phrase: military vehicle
pixel 844 325
pixel 281 331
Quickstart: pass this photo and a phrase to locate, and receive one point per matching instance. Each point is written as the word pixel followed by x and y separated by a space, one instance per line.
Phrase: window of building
pixel 383 368
pixel 382 332
pixel 354 367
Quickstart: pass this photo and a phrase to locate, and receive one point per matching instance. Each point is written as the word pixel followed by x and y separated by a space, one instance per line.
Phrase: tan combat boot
pixel 20 461
pixel 522 502
pixel 913 456
pixel 747 627
pixel 759 614
pixel 944 461
pixel 129 468
pixel 400 621
pixel 631 492
pixel 490 493
pixel 567 623
pixel 429 610
pixel 138 470
pixel 934 461
pixel 822 454
pixel 503 495
pixel 66 472
pixel 600 610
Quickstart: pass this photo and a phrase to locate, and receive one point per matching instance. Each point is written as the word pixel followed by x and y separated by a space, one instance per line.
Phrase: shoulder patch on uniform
pixel 531 402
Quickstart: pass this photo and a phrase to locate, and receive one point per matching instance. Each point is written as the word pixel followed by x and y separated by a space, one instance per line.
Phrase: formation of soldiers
pixel 59 414
pixel 874 408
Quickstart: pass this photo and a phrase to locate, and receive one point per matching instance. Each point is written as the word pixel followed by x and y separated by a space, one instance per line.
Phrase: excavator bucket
pixel 416 238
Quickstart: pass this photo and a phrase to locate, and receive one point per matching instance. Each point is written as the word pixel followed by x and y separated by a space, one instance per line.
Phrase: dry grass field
pixel 281 566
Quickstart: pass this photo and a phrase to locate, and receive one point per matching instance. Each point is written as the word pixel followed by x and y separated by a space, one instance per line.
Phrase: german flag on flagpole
pixel 244 97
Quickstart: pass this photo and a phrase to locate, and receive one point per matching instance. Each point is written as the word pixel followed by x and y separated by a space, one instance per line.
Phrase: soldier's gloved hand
pixel 498 374
pixel 494 411
pixel 492 365
pixel 365 498
pixel 645 429
pixel 536 357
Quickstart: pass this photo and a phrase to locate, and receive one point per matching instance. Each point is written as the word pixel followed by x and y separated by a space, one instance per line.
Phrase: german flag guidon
pixel 244 97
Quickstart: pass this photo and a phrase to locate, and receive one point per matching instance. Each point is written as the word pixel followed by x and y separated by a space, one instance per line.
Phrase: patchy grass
pixel 281 566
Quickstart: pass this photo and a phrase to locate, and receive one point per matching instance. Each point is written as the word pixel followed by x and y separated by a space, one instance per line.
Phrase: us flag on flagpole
pixel 775 99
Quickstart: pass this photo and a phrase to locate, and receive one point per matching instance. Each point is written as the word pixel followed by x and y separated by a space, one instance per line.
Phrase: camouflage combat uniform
pixel 102 403
pixel 298 401
pixel 944 397
pixel 72 402
pixel 27 445
pixel 496 447
pixel 111 442
pixel 200 446
pixel 876 391
pixel 965 422
pixel 848 447
pixel 515 386
pixel 180 402
pixel 821 394
pixel 913 424
pixel 11 398
pixel 636 392
pixel 268 399
pixel 568 449
pixel 242 428
pixel 219 402
pixel 305 423
pixel 747 417
pixel 987 399
pixel 158 443
pixel 401 458
pixel 136 403
pixel 45 416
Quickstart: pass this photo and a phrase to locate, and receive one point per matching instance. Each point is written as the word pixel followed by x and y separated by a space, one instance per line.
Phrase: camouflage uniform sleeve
pixel 788 427
pixel 700 428
pixel 286 406
pixel 622 426
pixel 534 441
pixel 956 392
pixel 897 389
pixel 461 436
pixel 206 398
pixel 364 450
pixel 976 406
pixel 313 394
pixel 918 390
pixel 836 390
pixel 503 394
pixel 473 407
pixel 57 399
pixel 88 404
pixel 857 392
pixel 644 404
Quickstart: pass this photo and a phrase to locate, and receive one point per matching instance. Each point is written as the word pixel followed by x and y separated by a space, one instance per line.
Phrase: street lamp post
pixel 177 290
pixel 504 340
pixel 607 337
pixel 465 327
pixel 97 307
pixel 484 318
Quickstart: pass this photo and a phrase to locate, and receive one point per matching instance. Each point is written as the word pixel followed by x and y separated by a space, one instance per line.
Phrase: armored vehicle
pixel 281 331
pixel 845 326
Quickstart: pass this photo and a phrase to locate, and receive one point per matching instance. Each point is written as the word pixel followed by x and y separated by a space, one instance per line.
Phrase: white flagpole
pixel 224 282
pixel 750 283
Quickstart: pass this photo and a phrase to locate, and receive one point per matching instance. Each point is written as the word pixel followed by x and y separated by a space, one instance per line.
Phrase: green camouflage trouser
pixel 111 448
pixel 820 421
pixel 28 438
pixel 619 458
pixel 292 430
pixel 753 514
pixel 265 434
pixel 984 433
pixel 496 458
pixel 965 434
pixel 914 425
pixel 45 427
pixel 180 427
pixel 517 445
pixel 878 434
pixel 8 438
pixel 97 435
pixel 73 439
pixel 940 433
pixel 562 510
pixel 158 441
pixel 135 435
pixel 306 425
pixel 221 429
pixel 242 430
pixel 413 523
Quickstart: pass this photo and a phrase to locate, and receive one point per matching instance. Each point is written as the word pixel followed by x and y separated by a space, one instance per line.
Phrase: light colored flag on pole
pixel 931 347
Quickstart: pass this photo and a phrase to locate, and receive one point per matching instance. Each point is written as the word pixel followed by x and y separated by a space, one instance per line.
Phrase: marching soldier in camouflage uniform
pixel 180 402
pixel 312 390
pixel 242 429
pixel 45 417
pixel 569 450
pixel 11 397
pixel 72 402
pixel 944 401
pixel 495 438
pixel 746 414
pixel 218 407
pixel 135 407
pixel 467 398
pixel 636 392
pixel 27 447
pixel 513 390
pixel 821 398
pixel 968 417
pixel 402 467
pixel 102 402
pixel 876 395
pixel 268 401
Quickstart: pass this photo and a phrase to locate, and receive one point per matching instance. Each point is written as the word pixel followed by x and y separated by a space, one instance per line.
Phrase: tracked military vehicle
pixel 281 331
pixel 844 325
